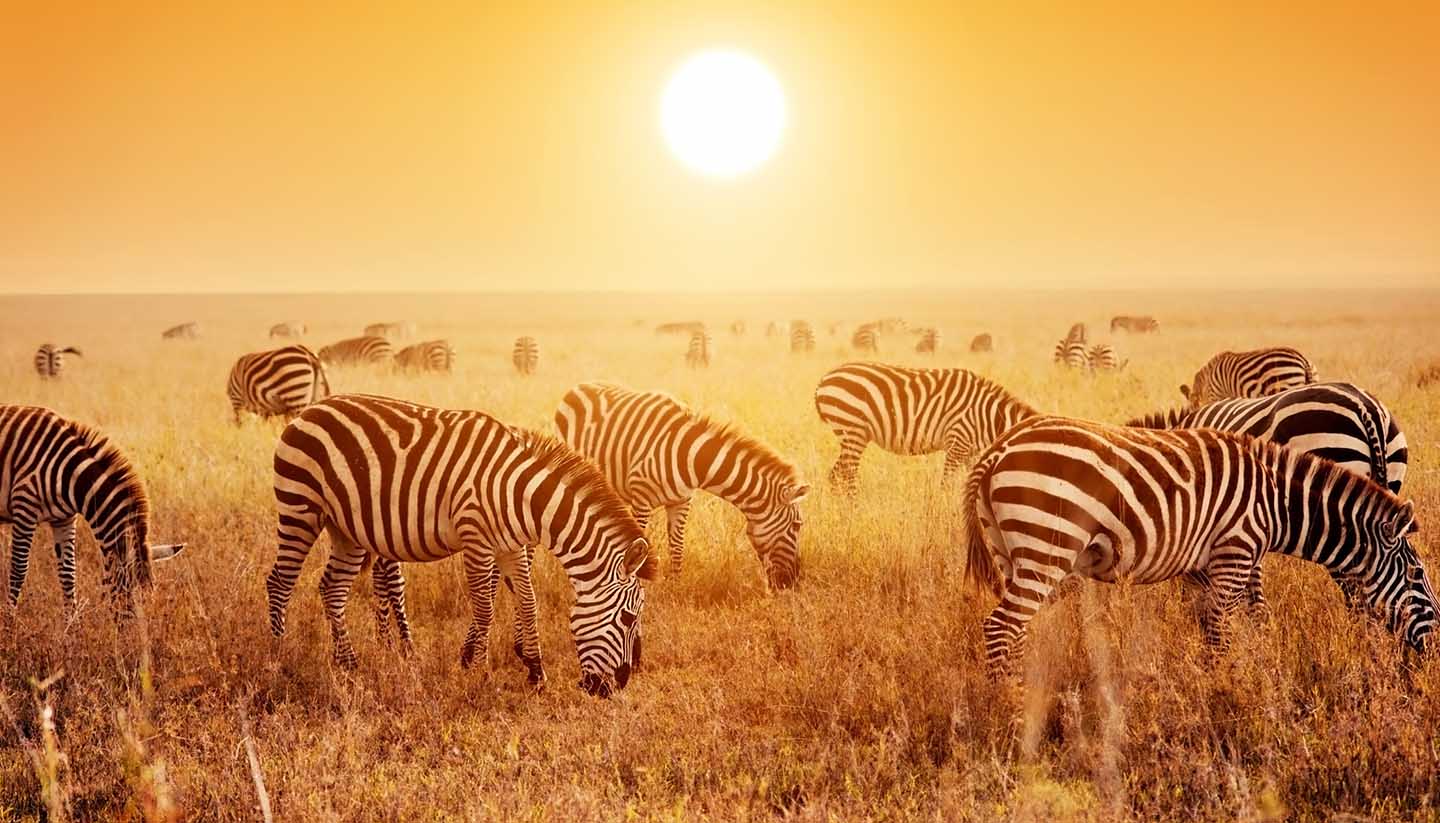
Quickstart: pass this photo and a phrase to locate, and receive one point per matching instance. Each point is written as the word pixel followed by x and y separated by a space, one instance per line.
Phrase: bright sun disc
pixel 722 113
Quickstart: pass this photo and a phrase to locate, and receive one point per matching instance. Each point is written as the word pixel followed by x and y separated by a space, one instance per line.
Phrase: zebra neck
pixel 110 500
pixel 721 464
pixel 1318 514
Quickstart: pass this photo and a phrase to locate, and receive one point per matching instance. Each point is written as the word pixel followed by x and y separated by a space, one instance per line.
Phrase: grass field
pixel 861 694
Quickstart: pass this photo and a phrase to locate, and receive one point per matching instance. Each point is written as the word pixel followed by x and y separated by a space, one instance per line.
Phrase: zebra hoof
pixel 467 655
pixel 536 679
pixel 346 660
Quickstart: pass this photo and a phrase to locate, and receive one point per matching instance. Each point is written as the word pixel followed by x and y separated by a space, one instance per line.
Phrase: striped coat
pixel 1249 374
pixel 280 382
pixel 50 361
pixel 700 350
pixel 912 411
pixel 357 350
pixel 401 482
pixel 866 338
pixel 526 355
pixel 1072 354
pixel 184 331
pixel 55 471
pixel 1137 325
pixel 802 337
pixel 1055 498
pixel 289 329
pixel 1102 357
pixel 929 341
pixel 982 343
pixel 401 330
pixel 432 355
pixel 657 453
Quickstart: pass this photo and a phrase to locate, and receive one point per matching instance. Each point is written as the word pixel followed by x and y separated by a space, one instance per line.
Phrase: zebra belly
pixel 411 536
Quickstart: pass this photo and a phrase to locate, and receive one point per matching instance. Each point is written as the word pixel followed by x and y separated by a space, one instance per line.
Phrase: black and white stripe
pixel 526 355
pixel 1249 374
pixel 802 337
pixel 1072 354
pixel 289 329
pixel 357 350
pixel 912 412
pixel 1057 498
pixel 432 355
pixel 658 453
pixel 50 361
pixel 1102 357
pixel 929 341
pixel 866 338
pixel 278 382
pixel 409 483
pixel 55 471
pixel 701 349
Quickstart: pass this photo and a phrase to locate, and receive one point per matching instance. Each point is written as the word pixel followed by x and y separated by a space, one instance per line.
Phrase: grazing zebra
pixel 1249 374
pixel 184 331
pixel 1058 498
pixel 1138 325
pixel 403 330
pixel 289 329
pixel 929 341
pixel 278 382
pixel 866 338
pixel 358 350
pixel 658 453
pixel 1072 354
pixel 737 328
pixel 526 355
pixel 409 483
pixel 54 470
pixel 912 412
pixel 686 328
pixel 802 337
pixel 432 355
pixel 50 361
pixel 1102 357
pixel 697 356
pixel 982 343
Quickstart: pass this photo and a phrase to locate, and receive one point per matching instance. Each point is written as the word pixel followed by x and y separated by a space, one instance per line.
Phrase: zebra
pixel 432 355
pixel 1072 354
pixel 277 382
pixel 526 355
pixel 802 337
pixel 658 453
pixel 184 331
pixel 404 482
pixel 866 338
pixel 1102 357
pixel 686 328
pixel 1248 374
pixel 1078 333
pixel 1058 498
pixel 982 343
pixel 891 325
pixel 1337 421
pixel 358 350
pixel 289 329
pixel 1428 376
pixel 737 328
pixel 929 341
pixel 912 412
pixel 697 356
pixel 50 361
pixel 402 330
pixel 55 470
pixel 1138 325
pixel 775 329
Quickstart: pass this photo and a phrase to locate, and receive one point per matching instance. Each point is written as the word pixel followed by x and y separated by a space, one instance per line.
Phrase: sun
pixel 722 113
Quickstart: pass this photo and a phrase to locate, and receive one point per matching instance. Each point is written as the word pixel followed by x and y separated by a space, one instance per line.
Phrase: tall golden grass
pixel 861 694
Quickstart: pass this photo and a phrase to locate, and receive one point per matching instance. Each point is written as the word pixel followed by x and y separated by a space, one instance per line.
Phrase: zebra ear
pixel 795 494
pixel 1185 391
pixel 1403 521
pixel 165 551
pixel 639 560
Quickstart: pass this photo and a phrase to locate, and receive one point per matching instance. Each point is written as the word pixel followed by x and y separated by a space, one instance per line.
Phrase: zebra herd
pixel 1262 459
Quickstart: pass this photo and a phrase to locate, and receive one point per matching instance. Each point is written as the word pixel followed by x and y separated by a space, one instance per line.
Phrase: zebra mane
pixel 122 473
pixel 575 469
pixel 1168 419
pixel 1294 463
pixel 986 383
pixel 769 459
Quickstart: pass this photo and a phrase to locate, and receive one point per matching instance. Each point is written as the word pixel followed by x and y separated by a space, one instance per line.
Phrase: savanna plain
pixel 860 694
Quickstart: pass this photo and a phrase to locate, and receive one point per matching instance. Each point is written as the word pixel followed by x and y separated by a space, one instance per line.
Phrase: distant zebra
pixel 737 328
pixel 394 482
pixel 802 337
pixel 866 338
pixel 184 331
pixel 402 330
pixel 281 382
pixel 1078 333
pixel 289 329
pixel 1249 374
pixel 686 328
pixel 1102 357
pixel 912 412
pixel 56 471
pixel 835 328
pixel 50 361
pixel 1058 498
pixel 697 356
pixel 658 453
pixel 1072 354
pixel 432 355
pixel 1137 325
pixel 982 343
pixel 929 341
pixel 526 355
pixel 891 325
pixel 358 350
pixel 1428 376
pixel 775 329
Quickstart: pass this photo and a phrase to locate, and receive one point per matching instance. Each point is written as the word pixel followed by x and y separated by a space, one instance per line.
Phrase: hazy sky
pixel 498 145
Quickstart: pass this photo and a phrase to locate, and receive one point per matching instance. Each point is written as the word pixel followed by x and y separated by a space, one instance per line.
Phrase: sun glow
pixel 722 113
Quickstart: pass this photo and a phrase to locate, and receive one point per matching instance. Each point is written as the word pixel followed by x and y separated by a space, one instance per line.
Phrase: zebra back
pixel 368 349
pixel 1249 374
pixel 525 356
pixel 866 338
pixel 431 355
pixel 982 343
pixel 278 382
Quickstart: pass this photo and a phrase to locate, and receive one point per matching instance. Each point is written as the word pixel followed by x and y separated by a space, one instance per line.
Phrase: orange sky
pixel 250 146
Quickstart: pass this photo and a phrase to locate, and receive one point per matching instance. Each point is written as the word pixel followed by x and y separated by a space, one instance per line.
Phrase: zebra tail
pixel 72 350
pixel 980 569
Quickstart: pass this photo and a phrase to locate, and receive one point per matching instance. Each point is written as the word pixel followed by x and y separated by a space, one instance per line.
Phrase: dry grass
pixel 860 695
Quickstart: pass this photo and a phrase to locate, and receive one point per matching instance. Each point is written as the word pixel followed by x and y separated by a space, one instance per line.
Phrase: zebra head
pixel 774 531
pixel 127 559
pixel 1399 588
pixel 605 622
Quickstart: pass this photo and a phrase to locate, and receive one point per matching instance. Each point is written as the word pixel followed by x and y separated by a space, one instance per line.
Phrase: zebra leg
pixel 1255 595
pixel 389 584
pixel 1029 585
pixel 845 473
pixel 957 453
pixel 514 564
pixel 481 577
pixel 1228 584
pixel 296 534
pixel 346 561
pixel 64 535
pixel 1350 589
pixel 517 632
pixel 21 535
pixel 675 517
